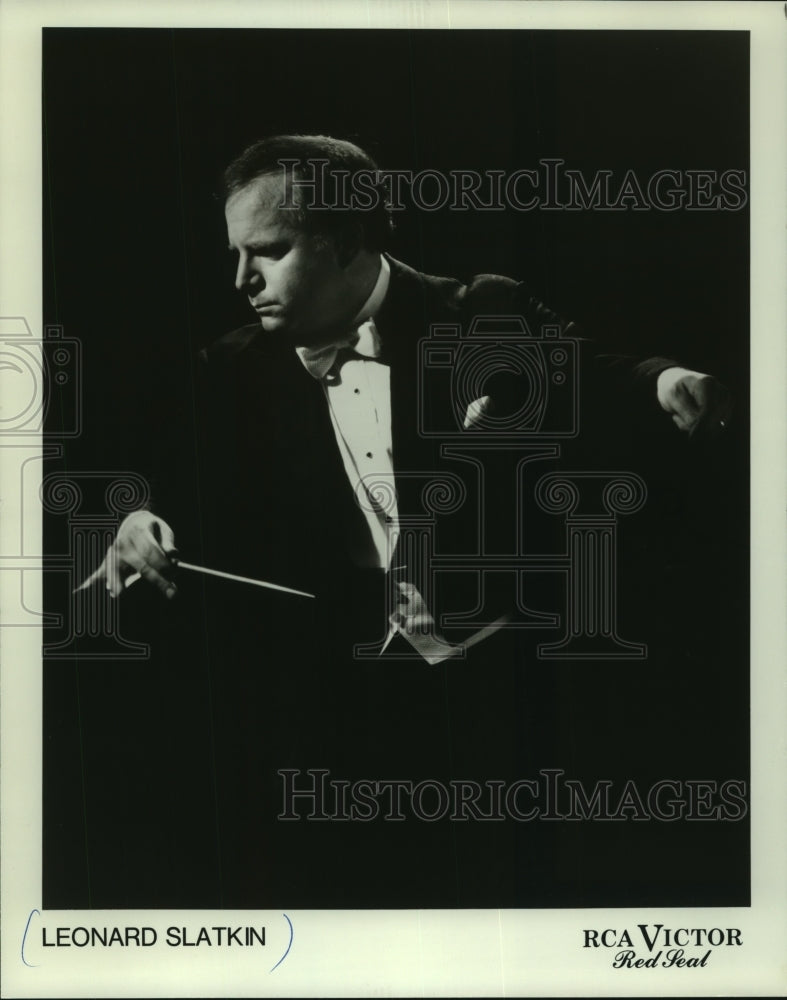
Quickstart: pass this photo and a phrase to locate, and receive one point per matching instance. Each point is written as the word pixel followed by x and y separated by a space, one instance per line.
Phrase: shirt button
pixel 356 391
pixel 368 454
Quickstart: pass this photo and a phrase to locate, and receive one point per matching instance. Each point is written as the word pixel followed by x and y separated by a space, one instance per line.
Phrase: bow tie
pixel 365 342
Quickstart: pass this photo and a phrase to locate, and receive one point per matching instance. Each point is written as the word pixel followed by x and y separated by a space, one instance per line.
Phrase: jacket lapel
pixel 289 439
pixel 403 322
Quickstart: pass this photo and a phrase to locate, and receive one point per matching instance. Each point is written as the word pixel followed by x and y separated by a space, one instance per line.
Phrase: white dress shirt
pixel 359 401
pixel 358 390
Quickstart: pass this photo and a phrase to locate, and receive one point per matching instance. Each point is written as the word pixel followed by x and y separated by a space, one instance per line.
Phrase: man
pixel 314 278
pixel 314 472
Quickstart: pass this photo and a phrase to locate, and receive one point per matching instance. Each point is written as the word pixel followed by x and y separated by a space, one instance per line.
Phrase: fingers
pixel 713 406
pixel 140 549
pixel 110 572
pixel 413 615
pixel 95 576
pixel 700 405
pixel 144 547
pixel 139 552
pixel 165 537
pixel 114 574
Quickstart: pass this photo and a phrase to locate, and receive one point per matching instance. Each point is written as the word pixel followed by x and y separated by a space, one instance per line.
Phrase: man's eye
pixel 273 251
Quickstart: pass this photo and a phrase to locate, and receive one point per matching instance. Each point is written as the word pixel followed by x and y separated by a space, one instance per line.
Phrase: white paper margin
pixel 444 953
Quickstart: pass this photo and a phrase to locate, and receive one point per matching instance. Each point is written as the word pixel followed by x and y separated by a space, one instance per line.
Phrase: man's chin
pixel 273 323
pixel 281 331
pixel 284 332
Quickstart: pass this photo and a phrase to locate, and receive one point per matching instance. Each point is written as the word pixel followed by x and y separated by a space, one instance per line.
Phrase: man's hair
pixel 323 169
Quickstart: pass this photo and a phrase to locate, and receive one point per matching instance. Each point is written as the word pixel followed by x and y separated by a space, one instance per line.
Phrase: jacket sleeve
pixel 608 385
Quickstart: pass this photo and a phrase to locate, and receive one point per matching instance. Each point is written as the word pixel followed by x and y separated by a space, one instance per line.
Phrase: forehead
pixel 262 204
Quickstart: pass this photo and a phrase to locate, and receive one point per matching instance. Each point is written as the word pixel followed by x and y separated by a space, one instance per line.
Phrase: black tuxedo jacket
pixel 268 496
pixel 261 491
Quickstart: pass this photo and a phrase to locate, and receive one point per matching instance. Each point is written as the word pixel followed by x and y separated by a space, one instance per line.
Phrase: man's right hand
pixel 144 545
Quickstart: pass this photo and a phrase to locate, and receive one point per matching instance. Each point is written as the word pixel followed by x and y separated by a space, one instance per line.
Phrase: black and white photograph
pixel 389 434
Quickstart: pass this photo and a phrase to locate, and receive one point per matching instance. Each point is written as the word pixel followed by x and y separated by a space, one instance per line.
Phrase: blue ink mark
pixel 24 938
pixel 292 935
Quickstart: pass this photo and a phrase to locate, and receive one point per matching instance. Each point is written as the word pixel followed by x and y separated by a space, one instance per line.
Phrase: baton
pixel 226 576
pixel 241 579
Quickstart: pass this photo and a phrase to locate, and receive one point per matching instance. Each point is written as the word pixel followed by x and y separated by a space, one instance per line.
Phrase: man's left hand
pixel 699 404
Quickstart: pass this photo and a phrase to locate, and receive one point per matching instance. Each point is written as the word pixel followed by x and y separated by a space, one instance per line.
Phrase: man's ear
pixel 349 243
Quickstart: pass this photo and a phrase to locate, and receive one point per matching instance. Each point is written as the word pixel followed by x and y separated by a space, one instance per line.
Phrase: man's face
pixel 293 280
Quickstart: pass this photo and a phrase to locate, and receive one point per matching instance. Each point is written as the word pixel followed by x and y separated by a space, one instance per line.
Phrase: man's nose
pixel 247 276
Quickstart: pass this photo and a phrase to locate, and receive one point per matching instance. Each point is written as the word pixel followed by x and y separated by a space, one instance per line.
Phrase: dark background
pixel 138 125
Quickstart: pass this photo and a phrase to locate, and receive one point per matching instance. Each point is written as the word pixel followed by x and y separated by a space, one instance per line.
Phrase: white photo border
pixel 404 952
